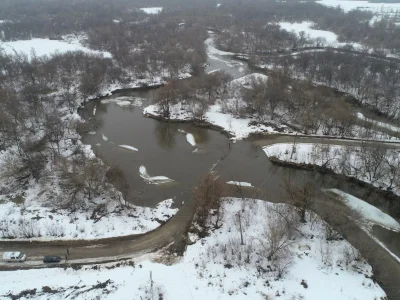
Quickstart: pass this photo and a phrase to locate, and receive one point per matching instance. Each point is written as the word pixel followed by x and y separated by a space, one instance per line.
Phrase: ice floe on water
pixel 128 147
pixel 125 101
pixel 190 139
pixel 104 137
pixel 238 183
pixel 153 179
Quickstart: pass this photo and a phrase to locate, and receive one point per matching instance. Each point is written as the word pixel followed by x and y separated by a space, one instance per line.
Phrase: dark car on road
pixel 51 259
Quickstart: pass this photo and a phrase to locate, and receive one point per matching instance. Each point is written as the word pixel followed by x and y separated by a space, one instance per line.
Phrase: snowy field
pixel 306 26
pixel 238 127
pixel 363 5
pixel 218 267
pixel 46 47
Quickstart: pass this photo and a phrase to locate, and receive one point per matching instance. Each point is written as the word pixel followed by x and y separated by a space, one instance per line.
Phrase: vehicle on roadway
pixel 51 259
pixel 14 256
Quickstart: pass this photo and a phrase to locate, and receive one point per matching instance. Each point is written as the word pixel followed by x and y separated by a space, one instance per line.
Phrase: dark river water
pixel 164 151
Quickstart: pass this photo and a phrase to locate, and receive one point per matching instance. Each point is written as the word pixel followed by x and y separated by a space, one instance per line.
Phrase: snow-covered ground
pixel 152 10
pixel 35 219
pixel 351 161
pixel 46 47
pixel 301 152
pixel 369 213
pixel 363 5
pixel 378 124
pixel 218 267
pixel 306 26
pixel 238 127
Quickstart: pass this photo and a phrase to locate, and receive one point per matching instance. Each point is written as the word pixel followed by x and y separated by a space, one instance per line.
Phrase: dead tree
pixel 302 197
pixel 207 198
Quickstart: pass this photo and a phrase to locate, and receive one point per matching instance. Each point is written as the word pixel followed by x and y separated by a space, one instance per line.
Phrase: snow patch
pixel 378 124
pixel 363 5
pixel 104 137
pixel 369 212
pixel 306 26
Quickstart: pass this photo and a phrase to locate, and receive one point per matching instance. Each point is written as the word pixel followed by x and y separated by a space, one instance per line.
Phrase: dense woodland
pixel 245 26
pixel 373 82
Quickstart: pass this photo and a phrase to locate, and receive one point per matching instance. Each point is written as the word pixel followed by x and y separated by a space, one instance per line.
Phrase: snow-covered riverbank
pixel 368 163
pixel 218 267
pixel 238 127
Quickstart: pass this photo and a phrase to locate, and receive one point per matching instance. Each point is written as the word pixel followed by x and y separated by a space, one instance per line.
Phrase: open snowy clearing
pixel 306 26
pixel 152 10
pixel 46 47
pixel 369 213
pixel 217 267
pixel 153 179
pixel 363 5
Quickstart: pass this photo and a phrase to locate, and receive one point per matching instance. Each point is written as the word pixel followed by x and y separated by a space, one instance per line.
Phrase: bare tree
pixel 300 196
pixel 166 97
pixel 277 236
pixel 207 197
